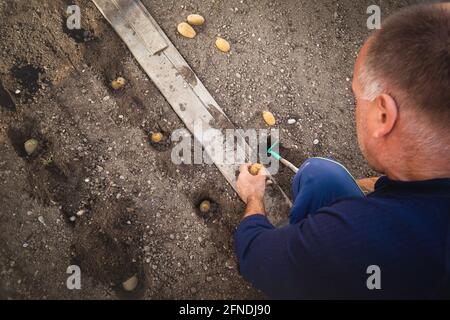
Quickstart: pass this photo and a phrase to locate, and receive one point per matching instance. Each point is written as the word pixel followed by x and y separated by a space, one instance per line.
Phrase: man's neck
pixel 418 168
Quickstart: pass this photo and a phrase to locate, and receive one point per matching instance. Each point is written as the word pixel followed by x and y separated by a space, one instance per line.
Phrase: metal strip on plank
pixel 132 13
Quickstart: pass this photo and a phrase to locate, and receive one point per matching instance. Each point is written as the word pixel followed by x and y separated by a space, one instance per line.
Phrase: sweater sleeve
pixel 297 261
pixel 264 256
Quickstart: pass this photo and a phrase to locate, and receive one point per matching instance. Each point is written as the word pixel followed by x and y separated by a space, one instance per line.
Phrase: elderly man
pixel 395 241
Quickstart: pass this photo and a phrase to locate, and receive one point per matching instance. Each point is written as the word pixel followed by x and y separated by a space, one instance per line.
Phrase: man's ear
pixel 386 115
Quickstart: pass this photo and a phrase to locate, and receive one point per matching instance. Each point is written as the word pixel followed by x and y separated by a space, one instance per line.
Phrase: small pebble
pixel 80 212
pixel 41 220
pixel 229 264
pixel 291 121
pixel 316 141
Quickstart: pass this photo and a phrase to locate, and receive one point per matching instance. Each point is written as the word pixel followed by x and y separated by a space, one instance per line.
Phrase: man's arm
pixel 251 189
pixel 296 261
pixel 254 206
pixel 325 255
pixel 260 247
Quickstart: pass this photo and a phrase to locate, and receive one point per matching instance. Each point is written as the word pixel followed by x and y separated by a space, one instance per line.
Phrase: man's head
pixel 402 89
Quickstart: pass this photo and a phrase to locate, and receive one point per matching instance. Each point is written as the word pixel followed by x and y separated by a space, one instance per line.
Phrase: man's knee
pixel 322 174
pixel 321 168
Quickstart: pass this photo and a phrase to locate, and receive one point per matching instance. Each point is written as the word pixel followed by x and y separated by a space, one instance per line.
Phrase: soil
pixel 97 193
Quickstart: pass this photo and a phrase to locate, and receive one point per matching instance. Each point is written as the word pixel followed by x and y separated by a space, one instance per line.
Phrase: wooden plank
pixel 179 85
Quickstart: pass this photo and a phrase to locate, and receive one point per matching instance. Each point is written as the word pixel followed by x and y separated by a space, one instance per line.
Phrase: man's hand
pixel 251 190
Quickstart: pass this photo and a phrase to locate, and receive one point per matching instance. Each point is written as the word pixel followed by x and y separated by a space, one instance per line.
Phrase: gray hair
pixel 372 85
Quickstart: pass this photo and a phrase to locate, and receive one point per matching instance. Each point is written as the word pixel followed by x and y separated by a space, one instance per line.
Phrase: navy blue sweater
pixel 402 227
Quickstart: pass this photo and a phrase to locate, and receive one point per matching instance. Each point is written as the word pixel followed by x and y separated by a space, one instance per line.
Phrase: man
pixel 395 241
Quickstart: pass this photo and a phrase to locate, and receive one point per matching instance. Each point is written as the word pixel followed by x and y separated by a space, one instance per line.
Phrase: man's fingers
pixel 263 171
pixel 245 169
